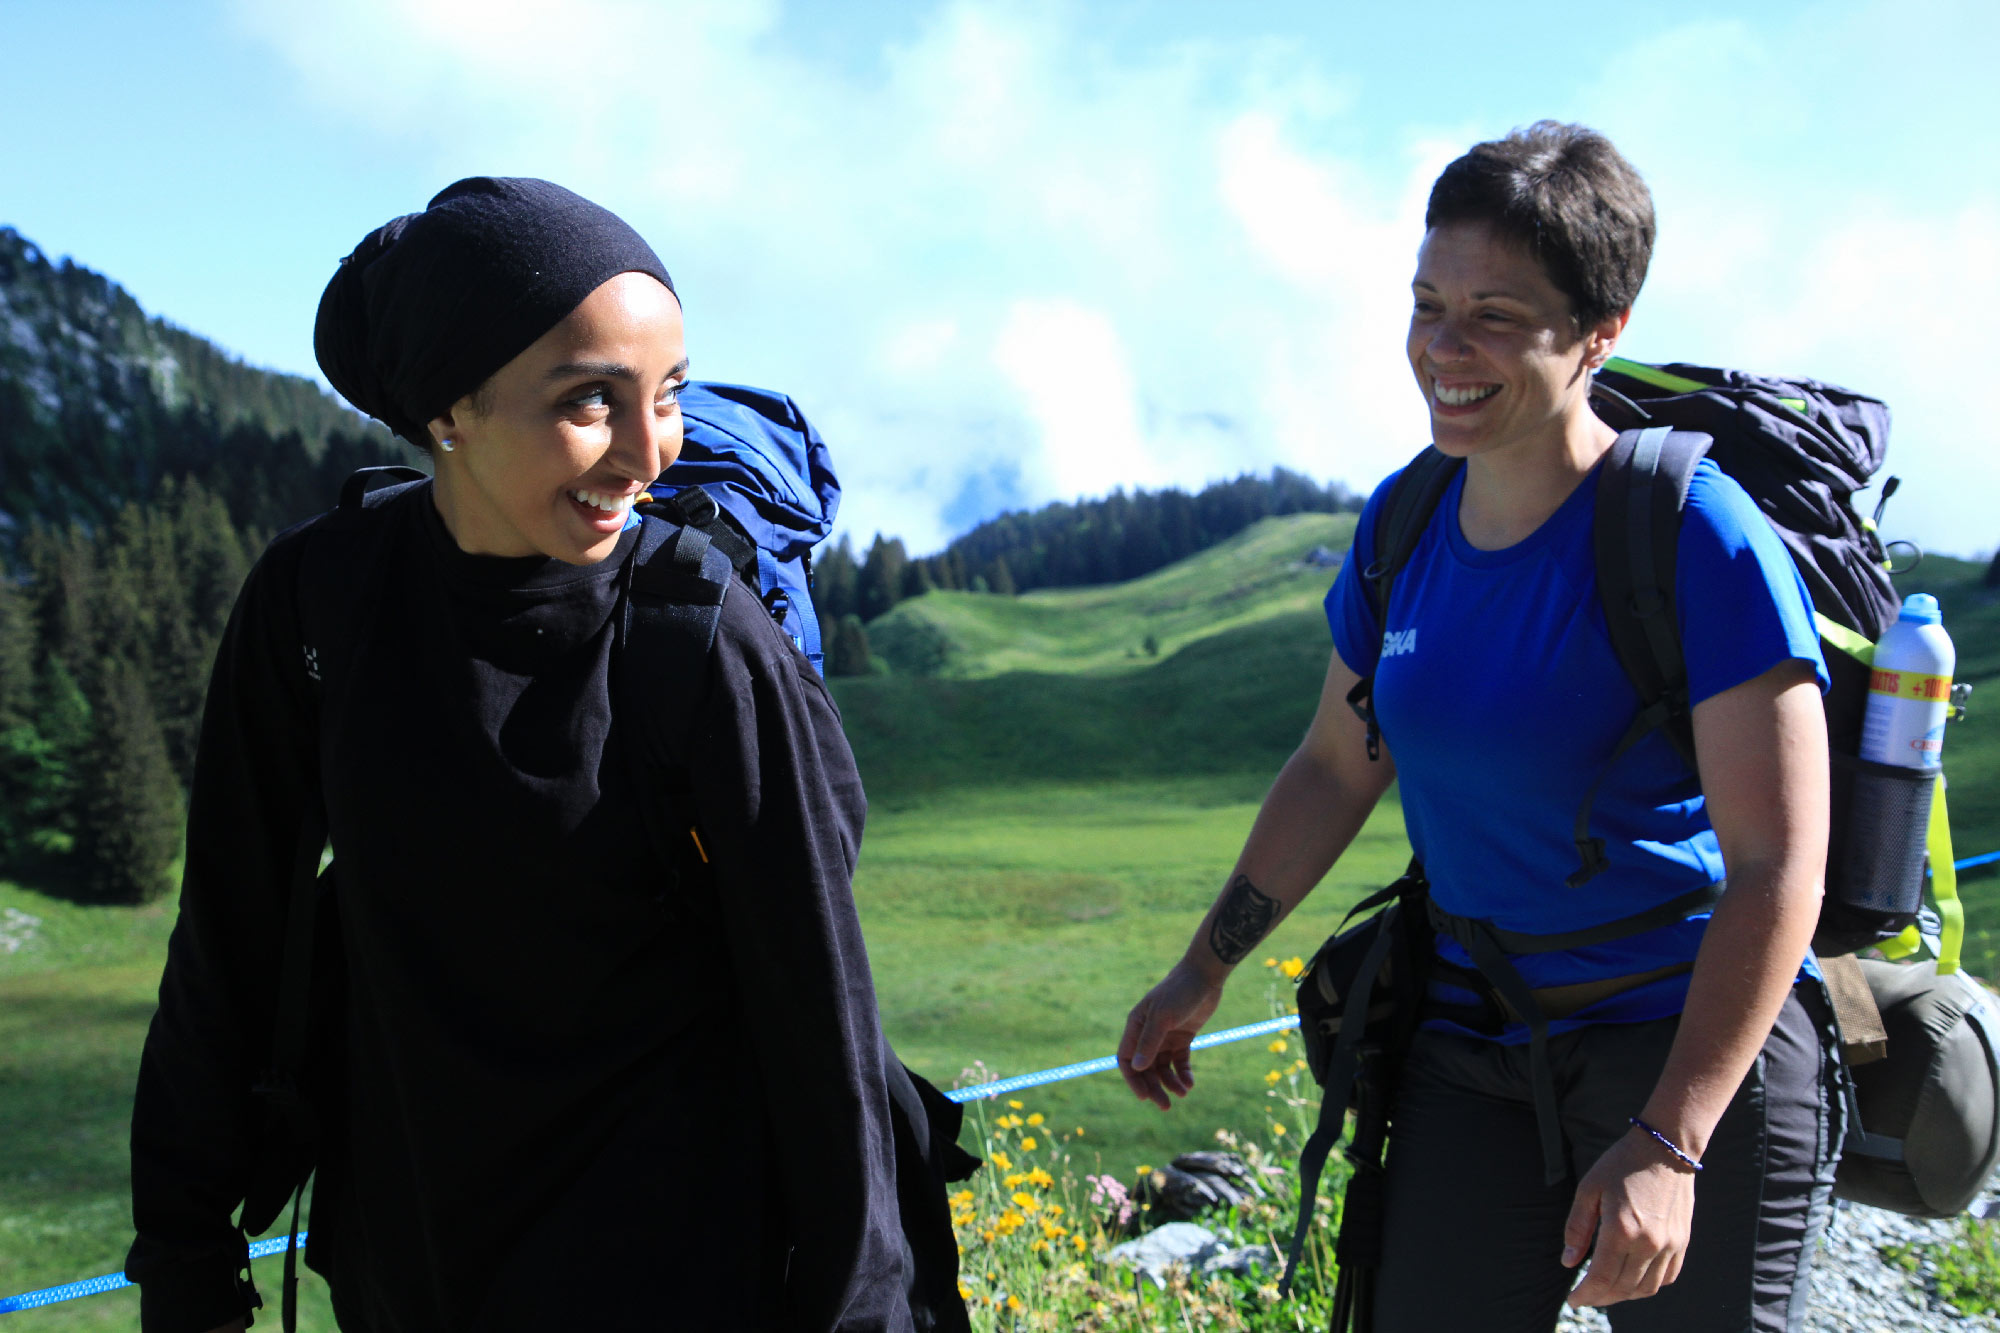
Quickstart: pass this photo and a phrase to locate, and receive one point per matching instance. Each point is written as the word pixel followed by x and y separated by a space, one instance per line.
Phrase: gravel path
pixel 1855 1289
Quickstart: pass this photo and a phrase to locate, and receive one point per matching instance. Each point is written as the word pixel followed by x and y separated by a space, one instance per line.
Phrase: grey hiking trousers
pixel 1473 1239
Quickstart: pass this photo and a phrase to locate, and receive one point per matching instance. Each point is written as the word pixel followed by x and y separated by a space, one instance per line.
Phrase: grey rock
pixel 1243 1259
pixel 1161 1248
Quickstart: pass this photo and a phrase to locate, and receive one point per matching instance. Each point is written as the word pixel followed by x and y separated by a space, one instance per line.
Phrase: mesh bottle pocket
pixel 1875 875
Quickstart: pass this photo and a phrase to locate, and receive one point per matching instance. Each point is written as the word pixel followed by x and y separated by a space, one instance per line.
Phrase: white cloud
pixel 997 250
pixel 1068 368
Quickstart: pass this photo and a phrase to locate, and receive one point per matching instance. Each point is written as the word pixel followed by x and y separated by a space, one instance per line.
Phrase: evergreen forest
pixel 141 470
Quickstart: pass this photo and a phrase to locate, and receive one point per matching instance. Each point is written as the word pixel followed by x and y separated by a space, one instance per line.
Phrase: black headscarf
pixel 431 304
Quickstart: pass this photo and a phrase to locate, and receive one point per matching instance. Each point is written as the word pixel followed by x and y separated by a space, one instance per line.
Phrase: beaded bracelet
pixel 1665 1142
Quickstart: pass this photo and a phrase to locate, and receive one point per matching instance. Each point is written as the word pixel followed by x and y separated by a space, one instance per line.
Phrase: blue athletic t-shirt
pixel 1501 698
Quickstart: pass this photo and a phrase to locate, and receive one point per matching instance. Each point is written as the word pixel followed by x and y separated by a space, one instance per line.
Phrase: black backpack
pixel 1800 449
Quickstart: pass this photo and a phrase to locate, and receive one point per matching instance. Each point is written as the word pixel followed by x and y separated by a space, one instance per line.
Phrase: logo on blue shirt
pixel 1399 641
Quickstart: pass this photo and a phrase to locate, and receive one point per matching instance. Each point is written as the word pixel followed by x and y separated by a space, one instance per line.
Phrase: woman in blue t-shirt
pixel 1703 1047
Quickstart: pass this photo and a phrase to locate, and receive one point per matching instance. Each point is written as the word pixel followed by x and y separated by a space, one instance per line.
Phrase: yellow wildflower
pixel 964 1292
pixel 1279 1130
pixel 1278 1046
pixel 1035 1119
pixel 1039 1177
pixel 1079 1242
pixel 988 1235
pixel 1000 1160
pixel 1145 1171
pixel 1013 1105
pixel 961 1198
pixel 1015 1179
pixel 1272 1077
pixel 1014 1304
pixel 1038 1246
pixel 1010 1222
pixel 1291 967
pixel 1052 1231
pixel 1025 1201
pixel 1028 1144
pixel 1053 1209
pixel 1079 1131
pixel 1270 962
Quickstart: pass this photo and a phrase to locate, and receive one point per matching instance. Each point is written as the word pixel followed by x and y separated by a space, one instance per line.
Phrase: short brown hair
pixel 1564 194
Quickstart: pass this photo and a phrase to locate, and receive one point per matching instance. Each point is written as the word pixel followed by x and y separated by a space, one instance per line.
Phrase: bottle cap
pixel 1920 608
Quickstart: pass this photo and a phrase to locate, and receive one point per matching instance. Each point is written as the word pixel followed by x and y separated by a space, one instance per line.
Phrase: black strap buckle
pixel 1362 700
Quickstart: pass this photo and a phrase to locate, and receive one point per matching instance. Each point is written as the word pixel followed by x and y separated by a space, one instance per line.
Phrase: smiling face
pixel 549 453
pixel 1495 347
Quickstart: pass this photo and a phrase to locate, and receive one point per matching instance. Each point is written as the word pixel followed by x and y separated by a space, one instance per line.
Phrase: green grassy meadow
pixel 1050 815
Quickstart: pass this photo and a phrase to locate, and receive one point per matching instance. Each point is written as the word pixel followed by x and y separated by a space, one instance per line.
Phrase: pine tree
pixel 17 654
pixel 835 577
pixel 999 578
pixel 849 654
pixel 42 757
pixel 129 811
pixel 882 576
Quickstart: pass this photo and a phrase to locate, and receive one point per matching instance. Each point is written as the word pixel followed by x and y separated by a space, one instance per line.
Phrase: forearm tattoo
pixel 1244 918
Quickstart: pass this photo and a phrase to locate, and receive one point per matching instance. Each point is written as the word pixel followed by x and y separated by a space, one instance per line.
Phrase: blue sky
pixel 1011 252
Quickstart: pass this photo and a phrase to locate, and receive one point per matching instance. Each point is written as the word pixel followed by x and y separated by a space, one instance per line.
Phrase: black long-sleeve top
pixel 574 1091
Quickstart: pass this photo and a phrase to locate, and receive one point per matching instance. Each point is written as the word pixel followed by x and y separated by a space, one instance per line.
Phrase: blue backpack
pixel 756 476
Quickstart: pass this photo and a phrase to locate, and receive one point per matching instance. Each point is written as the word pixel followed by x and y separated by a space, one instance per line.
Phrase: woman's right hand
pixel 1154 1055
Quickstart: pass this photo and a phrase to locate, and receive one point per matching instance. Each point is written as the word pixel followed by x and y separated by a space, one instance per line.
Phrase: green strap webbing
pixel 1850 641
pixel 1654 376
pixel 1944 886
pixel 1672 383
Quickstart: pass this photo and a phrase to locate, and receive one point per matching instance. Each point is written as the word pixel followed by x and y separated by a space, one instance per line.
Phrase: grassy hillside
pixel 1245 581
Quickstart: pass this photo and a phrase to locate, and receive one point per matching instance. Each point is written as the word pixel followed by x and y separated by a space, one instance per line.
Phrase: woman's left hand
pixel 1638 1203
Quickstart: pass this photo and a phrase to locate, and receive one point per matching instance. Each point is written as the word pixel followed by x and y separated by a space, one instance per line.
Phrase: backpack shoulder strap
pixel 676 584
pixel 1407 511
pixel 1405 515
pixel 1642 490
pixel 330 587
pixel 338 564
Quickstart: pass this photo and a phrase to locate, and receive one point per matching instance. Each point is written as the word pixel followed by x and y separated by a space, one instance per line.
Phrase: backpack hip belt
pixel 1489 947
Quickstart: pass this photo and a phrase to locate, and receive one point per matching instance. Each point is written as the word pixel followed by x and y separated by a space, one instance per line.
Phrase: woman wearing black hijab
pixel 573 1095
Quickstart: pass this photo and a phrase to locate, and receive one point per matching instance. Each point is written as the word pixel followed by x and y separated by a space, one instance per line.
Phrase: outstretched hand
pixel 1638 1206
pixel 1155 1053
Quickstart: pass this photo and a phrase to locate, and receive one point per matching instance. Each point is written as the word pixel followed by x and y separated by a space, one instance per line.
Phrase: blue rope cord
pixel 1103 1063
pixel 96 1286
pixel 998 1088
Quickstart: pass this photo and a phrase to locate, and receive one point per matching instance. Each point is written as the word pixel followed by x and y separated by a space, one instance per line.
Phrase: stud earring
pixel 446 445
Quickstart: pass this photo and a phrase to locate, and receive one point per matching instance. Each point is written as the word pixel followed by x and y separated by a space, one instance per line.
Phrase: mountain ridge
pixel 101 402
